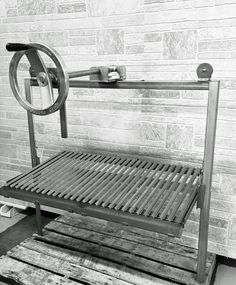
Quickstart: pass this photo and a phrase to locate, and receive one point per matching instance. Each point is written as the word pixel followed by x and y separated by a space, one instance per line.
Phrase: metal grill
pixel 133 185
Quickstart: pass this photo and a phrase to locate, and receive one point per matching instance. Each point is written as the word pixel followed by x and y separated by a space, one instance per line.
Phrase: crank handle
pixel 17 47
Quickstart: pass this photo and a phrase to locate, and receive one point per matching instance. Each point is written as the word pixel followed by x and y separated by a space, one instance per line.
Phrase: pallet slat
pixel 26 274
pixel 127 259
pixel 67 268
pixel 102 265
pixel 128 234
pixel 90 251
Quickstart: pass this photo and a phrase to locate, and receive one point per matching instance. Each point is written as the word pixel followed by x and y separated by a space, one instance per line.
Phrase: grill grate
pixel 132 185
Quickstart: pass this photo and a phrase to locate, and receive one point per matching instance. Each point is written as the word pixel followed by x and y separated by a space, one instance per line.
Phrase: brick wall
pixel 155 39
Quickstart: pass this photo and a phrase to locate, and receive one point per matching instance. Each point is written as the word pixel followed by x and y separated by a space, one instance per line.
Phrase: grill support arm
pixel 211 122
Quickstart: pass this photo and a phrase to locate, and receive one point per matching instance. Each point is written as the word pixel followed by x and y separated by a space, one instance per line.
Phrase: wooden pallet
pixel 84 250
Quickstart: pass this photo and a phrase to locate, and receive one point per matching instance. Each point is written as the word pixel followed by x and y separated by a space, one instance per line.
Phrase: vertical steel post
pixel 63 121
pixel 38 218
pixel 34 157
pixel 211 121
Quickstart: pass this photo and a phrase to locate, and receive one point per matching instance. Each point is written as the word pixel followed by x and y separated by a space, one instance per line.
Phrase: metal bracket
pixel 204 72
pixel 201 196
pixel 109 73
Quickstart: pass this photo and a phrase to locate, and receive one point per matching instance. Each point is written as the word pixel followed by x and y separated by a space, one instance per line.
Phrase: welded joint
pixel 201 196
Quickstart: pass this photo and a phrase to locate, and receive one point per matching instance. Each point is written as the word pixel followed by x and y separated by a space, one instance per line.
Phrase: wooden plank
pixel 63 267
pixel 139 263
pixel 130 234
pixel 132 247
pixel 107 267
pixel 26 274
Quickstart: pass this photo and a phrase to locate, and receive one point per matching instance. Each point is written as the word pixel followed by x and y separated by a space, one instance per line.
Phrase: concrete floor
pixel 225 275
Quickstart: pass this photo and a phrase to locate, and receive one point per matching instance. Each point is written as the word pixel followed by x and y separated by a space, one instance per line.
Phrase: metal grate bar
pixel 161 200
pixel 115 195
pixel 183 194
pixel 61 178
pixel 91 174
pixel 94 195
pixel 134 191
pixel 145 191
pixel 79 176
pixel 33 180
pixel 35 170
pixel 155 187
pixel 174 194
pixel 109 194
pixel 79 169
pixel 112 181
pixel 98 180
pixel 50 175
pixel 157 180
pixel 187 204
pixel 138 175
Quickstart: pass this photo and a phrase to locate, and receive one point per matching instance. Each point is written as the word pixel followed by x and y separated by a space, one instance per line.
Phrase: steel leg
pixel 207 178
pixel 38 219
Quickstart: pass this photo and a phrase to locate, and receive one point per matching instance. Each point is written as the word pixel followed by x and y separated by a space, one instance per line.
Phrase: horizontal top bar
pixel 159 85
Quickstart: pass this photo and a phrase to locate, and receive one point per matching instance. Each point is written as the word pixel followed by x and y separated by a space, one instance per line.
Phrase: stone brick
pixel 152 37
pixel 157 1
pixel 50 38
pixel 180 45
pixel 134 49
pixel 3 11
pixel 217 235
pixel 225 45
pixel 107 7
pixel 232 228
pixel 134 39
pixel 74 7
pixel 228 184
pixel 39 7
pixel 11 12
pixel 110 41
pixel 123 20
pixel 156 47
pixel 87 40
pixel 152 131
pixel 216 33
pixel 179 137
pixel 166 94
pixel 8 151
pixel 4 134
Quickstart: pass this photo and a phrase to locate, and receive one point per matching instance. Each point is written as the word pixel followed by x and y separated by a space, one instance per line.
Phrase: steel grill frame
pixel 147 194
pixel 86 178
